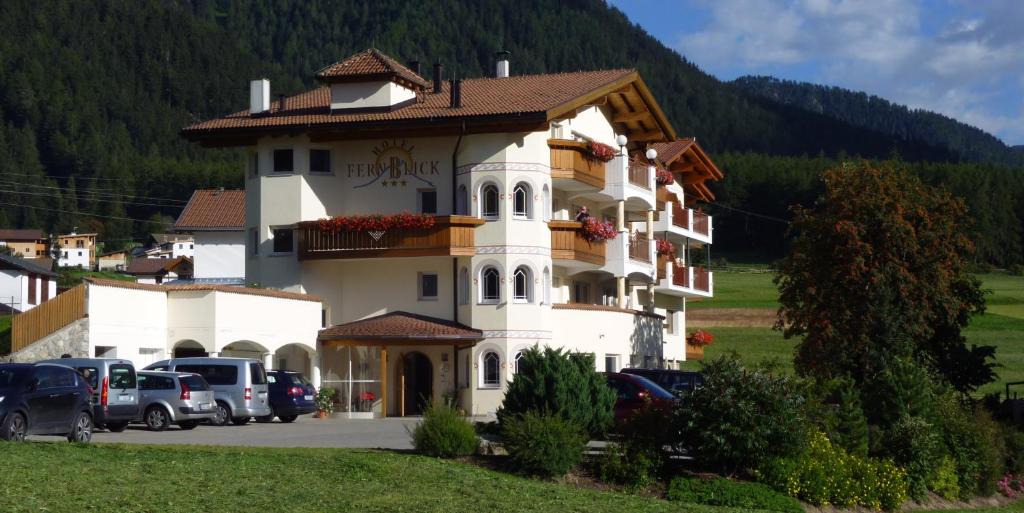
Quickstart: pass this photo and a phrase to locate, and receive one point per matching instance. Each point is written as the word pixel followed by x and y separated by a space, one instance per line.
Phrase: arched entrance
pixel 417 382
pixel 244 349
pixel 189 349
pixel 295 357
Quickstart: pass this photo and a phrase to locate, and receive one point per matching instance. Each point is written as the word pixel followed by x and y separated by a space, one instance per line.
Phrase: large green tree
pixel 878 275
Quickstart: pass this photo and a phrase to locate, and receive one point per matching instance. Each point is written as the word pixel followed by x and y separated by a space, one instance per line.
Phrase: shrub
pixel 1014 440
pixel 740 417
pixel 325 399
pixel 552 381
pixel 729 493
pixel 639 457
pixel 542 444
pixel 974 442
pixel 944 480
pixel 1016 270
pixel 444 433
pixel 914 445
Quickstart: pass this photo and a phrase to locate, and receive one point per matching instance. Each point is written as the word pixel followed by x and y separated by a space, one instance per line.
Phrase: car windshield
pixel 653 388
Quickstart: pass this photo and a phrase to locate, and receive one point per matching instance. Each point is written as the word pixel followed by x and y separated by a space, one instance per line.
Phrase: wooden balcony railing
pixel 694 352
pixel 701 279
pixel 680 216
pixel 640 174
pixel 571 160
pixel 450 236
pixel 567 243
pixel 640 248
pixel 680 276
pixel 700 222
pixel 48 317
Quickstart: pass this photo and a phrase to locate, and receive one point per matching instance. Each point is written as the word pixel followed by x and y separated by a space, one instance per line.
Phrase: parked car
pixel 239 385
pixel 634 393
pixel 116 401
pixel 291 395
pixel 180 398
pixel 44 399
pixel 676 381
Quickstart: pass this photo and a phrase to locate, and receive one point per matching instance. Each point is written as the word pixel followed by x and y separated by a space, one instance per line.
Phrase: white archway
pixel 295 357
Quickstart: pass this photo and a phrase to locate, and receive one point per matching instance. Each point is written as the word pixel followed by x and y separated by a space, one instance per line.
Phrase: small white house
pixel 155 271
pixel 216 218
pixel 24 284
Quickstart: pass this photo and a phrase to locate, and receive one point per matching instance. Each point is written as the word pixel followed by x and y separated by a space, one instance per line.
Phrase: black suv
pixel 676 381
pixel 44 399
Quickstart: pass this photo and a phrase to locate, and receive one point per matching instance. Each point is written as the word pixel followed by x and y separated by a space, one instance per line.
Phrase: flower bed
pixel 601 151
pixel 378 222
pixel 595 230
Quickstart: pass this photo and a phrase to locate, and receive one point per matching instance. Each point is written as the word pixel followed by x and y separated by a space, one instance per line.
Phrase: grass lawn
pixel 741 290
pixel 71 276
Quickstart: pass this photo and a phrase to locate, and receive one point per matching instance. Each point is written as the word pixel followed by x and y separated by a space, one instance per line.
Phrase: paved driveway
pixel 304 432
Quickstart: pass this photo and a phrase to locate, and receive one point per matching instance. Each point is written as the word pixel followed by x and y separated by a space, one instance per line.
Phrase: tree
pixel 878 272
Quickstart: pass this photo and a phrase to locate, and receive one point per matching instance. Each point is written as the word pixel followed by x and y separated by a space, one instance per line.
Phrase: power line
pixel 749 213
pixel 79 213
pixel 56 194
pixel 89 192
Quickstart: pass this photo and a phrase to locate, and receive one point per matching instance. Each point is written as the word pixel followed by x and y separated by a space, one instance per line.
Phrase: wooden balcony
pixel 567 243
pixel 451 236
pixel 571 160
pixel 640 248
pixel 640 174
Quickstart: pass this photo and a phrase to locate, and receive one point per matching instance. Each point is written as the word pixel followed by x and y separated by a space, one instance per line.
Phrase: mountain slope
pixel 887 118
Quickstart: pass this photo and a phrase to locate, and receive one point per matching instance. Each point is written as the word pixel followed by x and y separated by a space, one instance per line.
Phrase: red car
pixel 634 392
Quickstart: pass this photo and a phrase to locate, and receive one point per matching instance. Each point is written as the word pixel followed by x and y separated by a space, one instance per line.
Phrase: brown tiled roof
pixel 670 151
pixel 21 234
pixel 516 98
pixel 603 308
pixel 29 265
pixel 401 326
pixel 228 289
pixel 213 209
pixel 152 265
pixel 368 65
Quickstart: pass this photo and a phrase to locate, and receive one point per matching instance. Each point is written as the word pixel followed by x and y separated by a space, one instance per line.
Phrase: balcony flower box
pixel 595 230
pixel 378 223
pixel 700 338
pixel 601 151
pixel 663 177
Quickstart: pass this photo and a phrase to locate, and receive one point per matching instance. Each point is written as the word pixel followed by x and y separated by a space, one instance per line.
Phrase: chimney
pixel 280 102
pixel 415 67
pixel 438 71
pixel 259 96
pixel 456 90
pixel 501 64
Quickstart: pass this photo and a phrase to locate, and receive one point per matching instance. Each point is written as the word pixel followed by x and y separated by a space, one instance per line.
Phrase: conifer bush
pixel 443 433
pixel 542 444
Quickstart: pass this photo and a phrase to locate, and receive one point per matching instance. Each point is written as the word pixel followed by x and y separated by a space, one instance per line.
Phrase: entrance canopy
pixel 400 328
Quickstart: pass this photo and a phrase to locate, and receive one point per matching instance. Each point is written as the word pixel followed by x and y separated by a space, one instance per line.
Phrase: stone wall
pixel 72 339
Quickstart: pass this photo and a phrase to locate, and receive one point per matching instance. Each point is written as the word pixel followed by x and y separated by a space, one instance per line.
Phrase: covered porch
pixel 392 364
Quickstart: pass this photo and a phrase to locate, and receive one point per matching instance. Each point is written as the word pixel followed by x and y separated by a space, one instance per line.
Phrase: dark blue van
pixel 291 395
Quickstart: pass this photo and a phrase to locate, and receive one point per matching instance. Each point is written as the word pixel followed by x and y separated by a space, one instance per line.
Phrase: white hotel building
pixel 504 164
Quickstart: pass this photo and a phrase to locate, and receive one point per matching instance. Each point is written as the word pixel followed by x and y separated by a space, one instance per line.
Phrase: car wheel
pixel 223 415
pixel 116 427
pixel 266 418
pixel 188 424
pixel 157 418
pixel 81 430
pixel 288 418
pixel 240 421
pixel 15 428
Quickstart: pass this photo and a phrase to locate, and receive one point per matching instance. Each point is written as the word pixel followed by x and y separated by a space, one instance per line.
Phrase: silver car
pixel 116 401
pixel 180 398
pixel 239 385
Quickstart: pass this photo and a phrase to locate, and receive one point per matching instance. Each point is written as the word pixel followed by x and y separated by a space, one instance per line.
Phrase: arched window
pixel 546 283
pixel 462 201
pixel 522 285
pixel 545 207
pixel 490 375
pixel 464 286
pixel 490 285
pixel 522 201
pixel 489 204
pixel 515 361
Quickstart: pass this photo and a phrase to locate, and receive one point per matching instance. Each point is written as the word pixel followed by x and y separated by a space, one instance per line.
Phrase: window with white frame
pixel 545 206
pixel 522 285
pixel 427 286
pixel 490 370
pixel 489 201
pixel 490 285
pixel 515 361
pixel 521 201
pixel 611 363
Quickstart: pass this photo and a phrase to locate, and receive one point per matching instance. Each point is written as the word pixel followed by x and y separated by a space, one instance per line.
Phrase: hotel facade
pixel 514 185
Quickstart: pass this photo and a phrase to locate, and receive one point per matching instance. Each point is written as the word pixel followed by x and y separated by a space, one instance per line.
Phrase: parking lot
pixel 306 431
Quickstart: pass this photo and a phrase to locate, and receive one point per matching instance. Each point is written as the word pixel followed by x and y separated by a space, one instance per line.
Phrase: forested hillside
pixel 93 93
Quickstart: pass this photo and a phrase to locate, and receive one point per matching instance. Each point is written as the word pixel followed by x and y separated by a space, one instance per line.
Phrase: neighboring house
pixel 25 243
pixel 77 250
pixel 216 219
pixel 24 284
pixel 147 323
pixel 169 245
pixel 158 270
pixel 112 261
pixel 500 167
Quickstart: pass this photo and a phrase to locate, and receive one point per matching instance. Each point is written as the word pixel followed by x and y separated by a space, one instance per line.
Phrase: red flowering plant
pixel 601 151
pixel 1011 486
pixel 663 177
pixel 366 400
pixel 665 248
pixel 378 223
pixel 595 230
pixel 700 338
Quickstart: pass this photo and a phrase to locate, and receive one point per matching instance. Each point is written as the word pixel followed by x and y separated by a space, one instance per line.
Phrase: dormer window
pixel 371 81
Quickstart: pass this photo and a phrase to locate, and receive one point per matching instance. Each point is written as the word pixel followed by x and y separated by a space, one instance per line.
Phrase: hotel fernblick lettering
pixel 393 166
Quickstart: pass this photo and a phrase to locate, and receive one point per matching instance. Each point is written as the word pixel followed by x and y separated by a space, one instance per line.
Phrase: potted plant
pixel 595 230
pixel 700 338
pixel 366 400
pixel 601 151
pixel 665 248
pixel 325 402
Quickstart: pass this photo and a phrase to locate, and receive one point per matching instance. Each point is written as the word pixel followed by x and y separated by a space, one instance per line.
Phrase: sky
pixel 961 58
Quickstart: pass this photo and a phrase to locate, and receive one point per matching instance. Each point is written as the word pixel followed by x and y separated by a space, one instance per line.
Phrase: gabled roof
pixel 164 238
pixel 213 209
pixel 26 234
pixel 155 265
pixel 202 287
pixel 691 165
pixel 371 65
pixel 24 264
pixel 402 326
pixel 510 104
